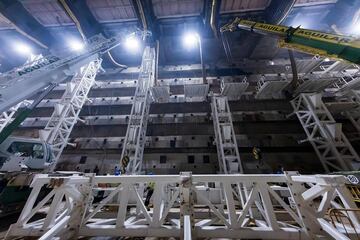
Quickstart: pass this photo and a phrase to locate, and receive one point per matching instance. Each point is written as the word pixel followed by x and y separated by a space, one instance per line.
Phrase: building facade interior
pixel 179 119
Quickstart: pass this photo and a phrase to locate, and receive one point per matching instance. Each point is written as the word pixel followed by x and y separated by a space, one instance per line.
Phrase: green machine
pixel 304 40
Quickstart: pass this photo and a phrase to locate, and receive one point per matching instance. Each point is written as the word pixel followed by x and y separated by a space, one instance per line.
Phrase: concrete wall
pixel 304 162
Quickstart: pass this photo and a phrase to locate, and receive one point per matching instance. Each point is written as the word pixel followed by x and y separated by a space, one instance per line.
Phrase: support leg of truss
pixel 134 142
pixel 227 149
pixel 324 133
pixel 66 113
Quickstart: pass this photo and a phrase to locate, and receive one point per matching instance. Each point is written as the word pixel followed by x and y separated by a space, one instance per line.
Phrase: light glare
pixel 191 40
pixel 23 48
pixel 76 45
pixel 356 28
pixel 132 43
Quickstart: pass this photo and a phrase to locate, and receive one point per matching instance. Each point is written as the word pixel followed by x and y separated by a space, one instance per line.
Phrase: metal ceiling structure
pixel 48 22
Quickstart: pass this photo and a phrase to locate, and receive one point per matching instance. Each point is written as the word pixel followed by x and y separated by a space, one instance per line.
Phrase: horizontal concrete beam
pixel 184 107
pixel 247 150
pixel 191 129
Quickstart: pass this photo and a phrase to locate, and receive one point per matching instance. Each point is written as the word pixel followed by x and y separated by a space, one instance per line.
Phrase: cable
pixel 115 62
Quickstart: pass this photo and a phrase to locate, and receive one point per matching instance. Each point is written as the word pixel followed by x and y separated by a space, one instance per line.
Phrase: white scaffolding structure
pixel 134 142
pixel 187 206
pixel 66 112
pixel 354 114
pixel 324 133
pixel 227 148
pixel 7 116
pixel 317 81
pixel 348 78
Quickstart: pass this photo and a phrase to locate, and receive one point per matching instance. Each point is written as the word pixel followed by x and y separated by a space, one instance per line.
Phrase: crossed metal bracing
pixel 66 112
pixel 7 116
pixel 335 75
pixel 304 67
pixel 347 80
pixel 134 142
pixel 324 133
pixel 354 114
pixel 227 148
pixel 284 206
pixel 341 78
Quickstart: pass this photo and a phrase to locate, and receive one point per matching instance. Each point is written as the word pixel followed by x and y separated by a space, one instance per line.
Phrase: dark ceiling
pixel 46 25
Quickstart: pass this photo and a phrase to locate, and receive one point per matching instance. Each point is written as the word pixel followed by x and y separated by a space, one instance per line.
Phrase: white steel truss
pixel 348 78
pixel 227 148
pixel 66 112
pixel 324 133
pixel 7 116
pixel 354 114
pixel 331 76
pixel 190 207
pixel 134 142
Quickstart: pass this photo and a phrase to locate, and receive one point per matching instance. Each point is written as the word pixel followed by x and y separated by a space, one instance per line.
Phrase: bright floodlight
pixel 76 45
pixel 132 43
pixel 356 28
pixel 22 48
pixel 191 39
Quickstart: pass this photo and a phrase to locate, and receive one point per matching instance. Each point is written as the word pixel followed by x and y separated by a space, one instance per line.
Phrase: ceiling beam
pixel 145 13
pixel 17 16
pixel 87 25
pixel 277 11
pixel 80 14
pixel 211 16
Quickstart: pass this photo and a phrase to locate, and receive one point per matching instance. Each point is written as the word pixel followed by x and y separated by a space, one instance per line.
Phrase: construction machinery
pixel 22 158
pixel 304 40
pixel 45 73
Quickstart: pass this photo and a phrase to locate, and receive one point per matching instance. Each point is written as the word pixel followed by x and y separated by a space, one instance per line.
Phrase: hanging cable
pixel 115 62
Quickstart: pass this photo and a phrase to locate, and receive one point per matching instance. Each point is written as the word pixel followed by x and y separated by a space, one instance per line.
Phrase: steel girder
pixel 186 205
pixel 324 133
pixel 227 148
pixel 66 114
pixel 134 142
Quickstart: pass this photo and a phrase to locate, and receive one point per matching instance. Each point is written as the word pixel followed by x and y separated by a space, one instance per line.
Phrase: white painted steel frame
pixel 227 148
pixel 348 79
pixel 72 211
pixel 354 114
pixel 66 113
pixel 7 116
pixel 333 149
pixel 134 142
pixel 20 83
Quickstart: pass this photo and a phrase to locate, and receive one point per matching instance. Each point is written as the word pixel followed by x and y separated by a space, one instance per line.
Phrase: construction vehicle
pixel 22 158
pixel 23 82
pixel 304 40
